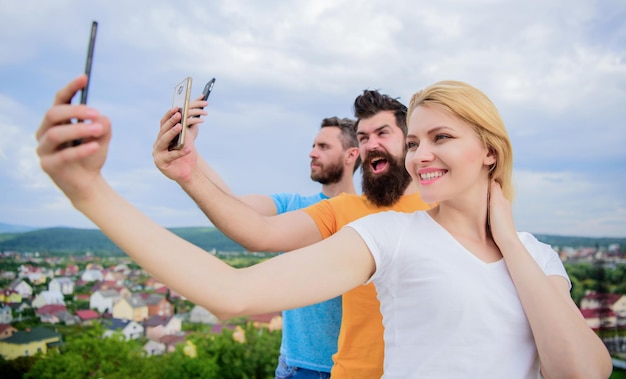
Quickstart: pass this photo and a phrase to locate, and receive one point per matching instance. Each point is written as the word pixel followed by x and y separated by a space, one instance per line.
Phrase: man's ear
pixel 353 159
pixel 353 154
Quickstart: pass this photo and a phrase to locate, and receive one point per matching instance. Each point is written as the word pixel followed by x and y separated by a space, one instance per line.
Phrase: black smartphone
pixel 207 91
pixel 182 92
pixel 88 63
pixel 85 91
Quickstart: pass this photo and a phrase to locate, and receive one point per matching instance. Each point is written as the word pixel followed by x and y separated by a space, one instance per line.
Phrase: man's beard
pixel 384 189
pixel 328 175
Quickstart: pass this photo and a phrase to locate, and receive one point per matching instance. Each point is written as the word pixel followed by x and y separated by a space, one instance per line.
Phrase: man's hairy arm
pixel 245 225
pixel 263 204
pixel 240 219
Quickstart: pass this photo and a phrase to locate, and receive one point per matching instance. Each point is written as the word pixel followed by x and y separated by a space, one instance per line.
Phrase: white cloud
pixel 18 159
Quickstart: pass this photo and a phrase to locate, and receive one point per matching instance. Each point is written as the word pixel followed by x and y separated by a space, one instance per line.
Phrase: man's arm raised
pixel 245 225
pixel 249 220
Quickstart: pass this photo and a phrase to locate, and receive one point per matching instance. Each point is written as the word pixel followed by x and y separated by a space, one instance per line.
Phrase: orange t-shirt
pixel 360 350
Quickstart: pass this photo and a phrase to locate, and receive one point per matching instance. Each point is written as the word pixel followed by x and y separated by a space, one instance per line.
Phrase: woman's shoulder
pixel 394 218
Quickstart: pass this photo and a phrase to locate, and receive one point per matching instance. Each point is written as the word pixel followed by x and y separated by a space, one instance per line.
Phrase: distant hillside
pixel 74 240
pixel 8 228
pixel 575 242
pixel 71 240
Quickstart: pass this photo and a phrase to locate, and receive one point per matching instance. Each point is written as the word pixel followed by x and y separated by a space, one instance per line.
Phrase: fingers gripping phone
pixel 182 91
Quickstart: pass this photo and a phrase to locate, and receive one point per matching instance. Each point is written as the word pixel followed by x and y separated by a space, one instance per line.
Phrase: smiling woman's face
pixel 444 155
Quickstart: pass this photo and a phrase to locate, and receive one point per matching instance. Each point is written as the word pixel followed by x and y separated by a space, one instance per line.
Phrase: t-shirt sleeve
pixel 377 232
pixel 545 256
pixel 282 201
pixel 324 216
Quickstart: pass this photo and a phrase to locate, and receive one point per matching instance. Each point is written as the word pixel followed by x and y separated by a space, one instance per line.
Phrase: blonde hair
pixel 475 108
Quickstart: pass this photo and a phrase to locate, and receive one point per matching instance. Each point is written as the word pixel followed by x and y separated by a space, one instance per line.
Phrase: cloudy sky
pixel 555 69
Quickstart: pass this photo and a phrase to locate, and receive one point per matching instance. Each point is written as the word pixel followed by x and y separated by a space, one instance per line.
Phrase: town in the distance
pixel 42 291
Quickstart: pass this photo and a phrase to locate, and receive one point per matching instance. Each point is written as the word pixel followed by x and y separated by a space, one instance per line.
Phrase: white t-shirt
pixel 446 313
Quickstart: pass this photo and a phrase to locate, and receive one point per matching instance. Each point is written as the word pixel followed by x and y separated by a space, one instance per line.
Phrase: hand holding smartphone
pixel 182 91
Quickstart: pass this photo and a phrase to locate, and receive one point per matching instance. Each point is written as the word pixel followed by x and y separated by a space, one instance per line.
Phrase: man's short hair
pixel 371 102
pixel 348 133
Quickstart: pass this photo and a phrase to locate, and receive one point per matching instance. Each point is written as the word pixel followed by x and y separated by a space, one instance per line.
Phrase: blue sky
pixel 555 69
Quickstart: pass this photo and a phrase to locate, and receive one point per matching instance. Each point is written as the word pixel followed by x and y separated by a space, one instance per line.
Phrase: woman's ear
pixel 491 158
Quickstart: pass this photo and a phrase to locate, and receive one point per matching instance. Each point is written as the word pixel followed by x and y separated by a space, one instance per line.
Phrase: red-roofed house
pixel 596 318
pixel 87 316
pixel 615 301
pixel 82 297
pixel 51 313
pixel 6 330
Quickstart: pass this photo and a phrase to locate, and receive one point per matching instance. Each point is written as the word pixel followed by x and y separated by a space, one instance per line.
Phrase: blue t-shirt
pixel 309 333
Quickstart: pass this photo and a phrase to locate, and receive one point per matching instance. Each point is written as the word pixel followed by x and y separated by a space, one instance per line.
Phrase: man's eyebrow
pixel 377 129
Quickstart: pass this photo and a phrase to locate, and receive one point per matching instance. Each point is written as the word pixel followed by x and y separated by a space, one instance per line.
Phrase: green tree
pixel 254 358
pixel 88 355
pixel 177 365
pixel 16 368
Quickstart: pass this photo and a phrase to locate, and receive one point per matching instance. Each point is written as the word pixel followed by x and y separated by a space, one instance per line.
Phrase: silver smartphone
pixel 182 92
